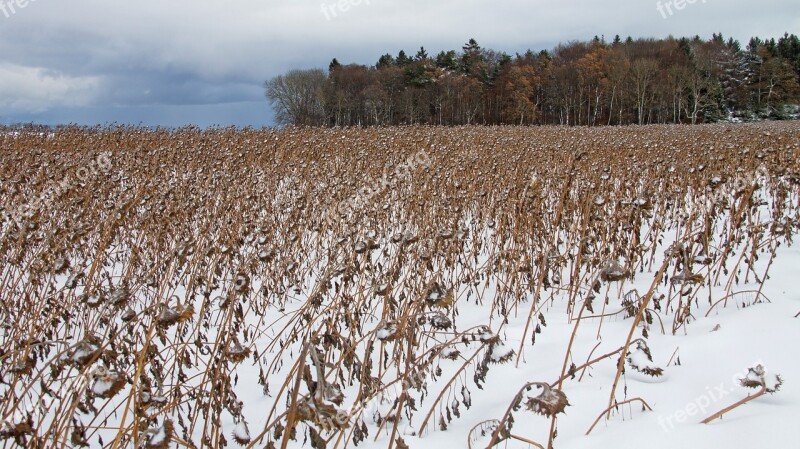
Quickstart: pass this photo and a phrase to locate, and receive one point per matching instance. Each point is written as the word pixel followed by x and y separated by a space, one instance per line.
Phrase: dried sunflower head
pixel 549 402
pixel 119 296
pixel 757 377
pixel 450 353
pixel 641 360
pixel 60 265
pixel 93 300
pixel 170 316
pixel 687 277
pixel 237 353
pixel 159 437
pixel 241 433
pixel 387 331
pixel 242 283
pixel 440 321
pixel 613 271
pixel 438 296
pixel 499 352
pixel 86 351
pixel 106 383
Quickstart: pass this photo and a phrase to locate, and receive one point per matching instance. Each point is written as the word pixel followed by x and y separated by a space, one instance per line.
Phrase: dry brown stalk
pixel 645 405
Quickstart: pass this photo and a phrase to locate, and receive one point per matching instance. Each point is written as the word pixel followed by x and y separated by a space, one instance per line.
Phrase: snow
pixel 241 433
pixel 387 330
pixel 82 351
pixel 500 352
pixel 640 361
pixel 101 386
pixel 158 437
pixel 758 377
pixel 94 300
pixel 449 353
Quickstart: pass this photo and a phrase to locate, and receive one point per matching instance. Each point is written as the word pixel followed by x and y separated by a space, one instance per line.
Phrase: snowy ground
pixel 706 380
pixel 711 362
pixel 708 357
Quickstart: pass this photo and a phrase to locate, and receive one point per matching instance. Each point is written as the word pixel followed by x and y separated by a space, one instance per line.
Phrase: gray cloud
pixel 155 62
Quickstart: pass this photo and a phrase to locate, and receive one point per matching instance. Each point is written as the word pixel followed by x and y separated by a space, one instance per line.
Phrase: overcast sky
pixel 175 62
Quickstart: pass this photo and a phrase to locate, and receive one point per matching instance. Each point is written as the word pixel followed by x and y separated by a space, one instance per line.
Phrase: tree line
pixel 643 81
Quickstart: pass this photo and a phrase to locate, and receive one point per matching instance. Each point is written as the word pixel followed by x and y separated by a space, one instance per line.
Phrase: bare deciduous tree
pixel 297 97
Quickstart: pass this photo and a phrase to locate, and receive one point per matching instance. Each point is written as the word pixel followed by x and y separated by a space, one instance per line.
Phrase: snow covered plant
pixel 318 409
pixel 497 350
pixel 241 433
pixel 550 402
pixel 19 427
pixel 106 383
pixel 757 377
pixel 439 296
pixel 640 359
pixel 613 271
pixel 157 437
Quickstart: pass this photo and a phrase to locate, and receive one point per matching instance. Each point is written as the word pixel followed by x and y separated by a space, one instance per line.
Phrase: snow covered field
pixel 399 287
